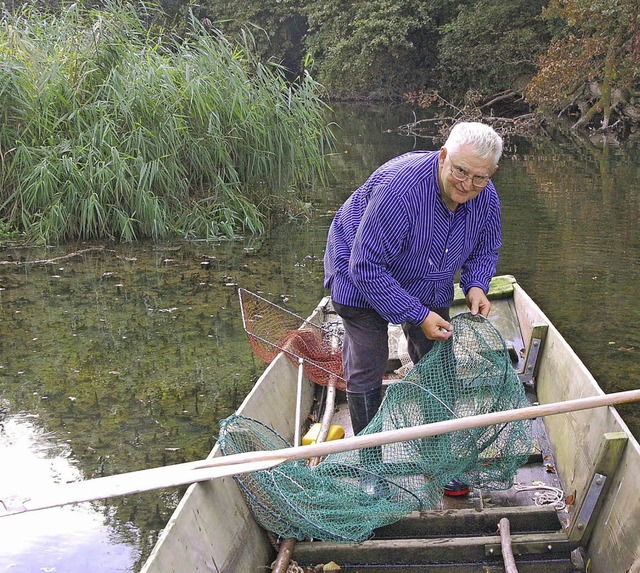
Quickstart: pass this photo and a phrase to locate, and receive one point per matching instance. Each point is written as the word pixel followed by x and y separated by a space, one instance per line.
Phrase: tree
pixel 278 27
pixel 491 48
pixel 378 48
pixel 592 66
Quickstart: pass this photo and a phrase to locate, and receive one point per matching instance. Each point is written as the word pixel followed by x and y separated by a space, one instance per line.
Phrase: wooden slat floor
pixel 461 534
pixel 461 529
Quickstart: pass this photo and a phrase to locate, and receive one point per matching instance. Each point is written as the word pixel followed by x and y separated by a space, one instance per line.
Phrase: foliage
pixel 7 233
pixel 596 53
pixel 491 47
pixel 114 128
pixel 278 27
pixel 384 49
pixel 581 55
pixel 368 47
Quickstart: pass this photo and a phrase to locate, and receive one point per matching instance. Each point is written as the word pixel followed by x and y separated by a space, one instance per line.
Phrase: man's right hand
pixel 435 327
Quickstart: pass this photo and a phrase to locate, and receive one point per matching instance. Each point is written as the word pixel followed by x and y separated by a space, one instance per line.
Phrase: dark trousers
pixel 365 349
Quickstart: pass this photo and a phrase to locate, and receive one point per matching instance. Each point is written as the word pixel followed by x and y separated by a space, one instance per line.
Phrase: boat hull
pixel 212 529
pixel 577 440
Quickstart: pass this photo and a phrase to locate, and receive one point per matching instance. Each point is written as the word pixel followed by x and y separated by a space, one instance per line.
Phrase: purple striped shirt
pixel 395 247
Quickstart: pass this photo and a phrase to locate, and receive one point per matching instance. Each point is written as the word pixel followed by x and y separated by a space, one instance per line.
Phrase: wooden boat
pixel 587 459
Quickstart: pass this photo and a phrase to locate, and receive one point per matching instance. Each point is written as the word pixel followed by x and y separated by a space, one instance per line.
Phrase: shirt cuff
pixel 418 315
pixel 466 288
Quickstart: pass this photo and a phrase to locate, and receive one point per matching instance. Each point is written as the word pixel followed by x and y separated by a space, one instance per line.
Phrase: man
pixel 394 249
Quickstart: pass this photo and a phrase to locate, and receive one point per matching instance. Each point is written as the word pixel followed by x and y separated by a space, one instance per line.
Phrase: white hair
pixel 482 138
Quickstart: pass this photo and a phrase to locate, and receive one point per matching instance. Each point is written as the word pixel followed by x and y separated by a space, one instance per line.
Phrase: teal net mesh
pixel 350 494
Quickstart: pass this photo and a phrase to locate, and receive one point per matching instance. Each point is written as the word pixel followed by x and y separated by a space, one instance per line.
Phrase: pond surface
pixel 115 358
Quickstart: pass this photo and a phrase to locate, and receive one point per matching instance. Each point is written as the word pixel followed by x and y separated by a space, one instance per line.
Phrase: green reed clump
pixel 112 128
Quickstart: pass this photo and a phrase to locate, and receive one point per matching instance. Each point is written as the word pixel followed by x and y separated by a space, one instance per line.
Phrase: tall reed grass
pixel 114 128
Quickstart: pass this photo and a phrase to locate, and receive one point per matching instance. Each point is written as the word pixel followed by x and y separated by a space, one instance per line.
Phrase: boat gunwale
pixel 528 313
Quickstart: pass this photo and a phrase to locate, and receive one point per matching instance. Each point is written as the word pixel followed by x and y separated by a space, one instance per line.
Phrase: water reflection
pixel 61 539
pixel 129 355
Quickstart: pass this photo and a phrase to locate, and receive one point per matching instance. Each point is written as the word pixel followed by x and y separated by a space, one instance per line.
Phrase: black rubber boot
pixel 363 407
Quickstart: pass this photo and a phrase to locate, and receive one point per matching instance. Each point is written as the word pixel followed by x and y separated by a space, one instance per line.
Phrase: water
pixel 122 357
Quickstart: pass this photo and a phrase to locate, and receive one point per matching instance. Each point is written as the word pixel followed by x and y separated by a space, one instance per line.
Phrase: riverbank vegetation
pixel 573 60
pixel 205 120
pixel 114 127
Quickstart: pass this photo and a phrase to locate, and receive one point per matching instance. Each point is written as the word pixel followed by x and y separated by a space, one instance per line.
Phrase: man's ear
pixel 443 153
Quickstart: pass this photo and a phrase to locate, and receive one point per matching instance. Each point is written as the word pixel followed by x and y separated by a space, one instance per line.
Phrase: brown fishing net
pixel 272 329
pixel 350 494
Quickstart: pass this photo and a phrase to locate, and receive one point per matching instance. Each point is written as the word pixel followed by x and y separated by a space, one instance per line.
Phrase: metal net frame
pixel 272 329
pixel 469 374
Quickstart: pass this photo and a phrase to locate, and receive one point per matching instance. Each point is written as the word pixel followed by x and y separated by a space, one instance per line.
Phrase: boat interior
pixel 573 506
pixel 462 533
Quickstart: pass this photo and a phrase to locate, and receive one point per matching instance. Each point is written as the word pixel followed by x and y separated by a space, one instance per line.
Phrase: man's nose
pixel 467 184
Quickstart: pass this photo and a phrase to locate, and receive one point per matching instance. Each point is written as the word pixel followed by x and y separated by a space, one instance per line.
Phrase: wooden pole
pixel 507 552
pixel 330 402
pixel 221 466
pixel 298 428
pixel 281 564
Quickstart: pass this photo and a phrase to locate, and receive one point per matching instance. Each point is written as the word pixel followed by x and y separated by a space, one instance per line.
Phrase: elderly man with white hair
pixel 395 246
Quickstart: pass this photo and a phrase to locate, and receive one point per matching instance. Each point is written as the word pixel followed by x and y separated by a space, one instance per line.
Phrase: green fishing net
pixel 350 494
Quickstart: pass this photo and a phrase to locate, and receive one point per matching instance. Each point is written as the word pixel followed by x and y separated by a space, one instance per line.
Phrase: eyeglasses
pixel 459 174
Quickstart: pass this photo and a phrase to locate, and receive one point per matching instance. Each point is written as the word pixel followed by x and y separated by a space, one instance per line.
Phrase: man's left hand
pixel 477 302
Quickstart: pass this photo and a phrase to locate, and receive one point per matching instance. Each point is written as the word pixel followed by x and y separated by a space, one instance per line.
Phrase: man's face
pixel 463 175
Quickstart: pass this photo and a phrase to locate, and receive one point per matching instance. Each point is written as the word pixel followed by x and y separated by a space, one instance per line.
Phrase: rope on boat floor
pixel 292 568
pixel 545 494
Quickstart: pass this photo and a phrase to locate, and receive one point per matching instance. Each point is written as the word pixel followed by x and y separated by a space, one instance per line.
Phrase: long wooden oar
pixel 202 470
